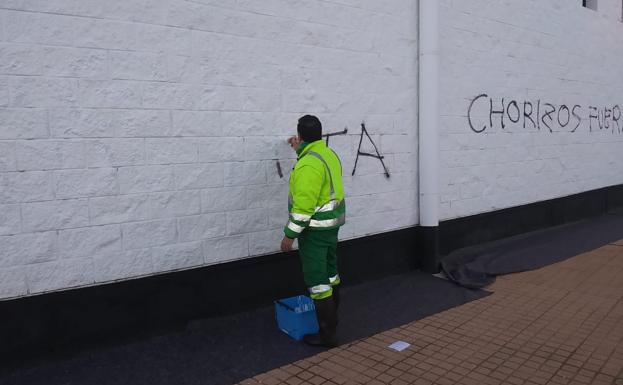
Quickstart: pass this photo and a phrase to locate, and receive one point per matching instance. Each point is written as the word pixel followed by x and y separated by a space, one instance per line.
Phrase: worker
pixel 317 210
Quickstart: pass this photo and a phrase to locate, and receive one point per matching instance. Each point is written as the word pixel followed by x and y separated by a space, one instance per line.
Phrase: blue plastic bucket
pixel 296 316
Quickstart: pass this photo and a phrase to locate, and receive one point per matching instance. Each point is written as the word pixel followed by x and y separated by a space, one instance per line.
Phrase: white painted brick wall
pixel 54 215
pixel 50 155
pixel 85 182
pixel 27 186
pixel 23 123
pixel 177 256
pixel 119 209
pixel 139 137
pixel 556 51
pixel 85 241
pixel 139 235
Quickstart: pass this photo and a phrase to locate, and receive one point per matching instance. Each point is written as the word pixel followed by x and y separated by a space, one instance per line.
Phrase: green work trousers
pixel 318 252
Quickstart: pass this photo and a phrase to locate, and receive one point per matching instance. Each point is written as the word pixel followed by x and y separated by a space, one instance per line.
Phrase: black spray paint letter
pixel 577 116
pixel 616 115
pixel 359 152
pixel 343 132
pixel 566 116
pixel 508 111
pixel 469 114
pixel 500 112
pixel 550 109
pixel 528 114
pixel 592 115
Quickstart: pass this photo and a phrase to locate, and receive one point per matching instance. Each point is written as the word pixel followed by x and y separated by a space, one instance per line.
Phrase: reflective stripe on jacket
pixel 316 198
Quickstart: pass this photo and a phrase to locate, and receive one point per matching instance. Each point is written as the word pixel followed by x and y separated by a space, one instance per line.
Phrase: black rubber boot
pixel 326 315
pixel 336 300
pixel 336 296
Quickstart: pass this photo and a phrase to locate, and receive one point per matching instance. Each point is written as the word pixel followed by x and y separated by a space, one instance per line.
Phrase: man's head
pixel 309 128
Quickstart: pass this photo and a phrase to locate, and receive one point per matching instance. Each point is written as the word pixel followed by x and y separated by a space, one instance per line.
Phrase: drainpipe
pixel 428 140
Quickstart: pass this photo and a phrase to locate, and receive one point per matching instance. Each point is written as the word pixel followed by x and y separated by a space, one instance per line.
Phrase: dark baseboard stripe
pixel 467 231
pixel 428 248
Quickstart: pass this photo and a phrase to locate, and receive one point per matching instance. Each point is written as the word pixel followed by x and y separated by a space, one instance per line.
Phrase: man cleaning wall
pixel 317 210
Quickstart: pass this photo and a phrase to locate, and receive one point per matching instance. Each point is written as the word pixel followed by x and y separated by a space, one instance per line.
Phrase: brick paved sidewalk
pixel 562 324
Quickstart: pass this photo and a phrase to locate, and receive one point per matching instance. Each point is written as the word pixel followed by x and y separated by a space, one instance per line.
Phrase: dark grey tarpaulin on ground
pixel 477 266
pixel 227 350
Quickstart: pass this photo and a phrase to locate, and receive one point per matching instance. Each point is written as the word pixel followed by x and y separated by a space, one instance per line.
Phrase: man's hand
pixel 294 142
pixel 286 244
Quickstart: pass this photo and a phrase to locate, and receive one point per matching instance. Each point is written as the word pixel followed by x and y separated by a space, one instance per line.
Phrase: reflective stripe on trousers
pixel 320 291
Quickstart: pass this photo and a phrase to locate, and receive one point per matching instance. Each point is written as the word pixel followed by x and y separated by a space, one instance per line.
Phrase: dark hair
pixel 309 128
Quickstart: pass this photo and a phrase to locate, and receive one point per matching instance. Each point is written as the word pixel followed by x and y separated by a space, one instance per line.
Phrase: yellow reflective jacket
pixel 316 199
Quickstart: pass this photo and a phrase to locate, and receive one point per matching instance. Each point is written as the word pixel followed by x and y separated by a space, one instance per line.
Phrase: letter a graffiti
pixel 377 155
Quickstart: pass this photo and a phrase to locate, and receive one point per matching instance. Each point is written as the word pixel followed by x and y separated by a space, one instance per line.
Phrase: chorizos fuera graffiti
pixel 485 112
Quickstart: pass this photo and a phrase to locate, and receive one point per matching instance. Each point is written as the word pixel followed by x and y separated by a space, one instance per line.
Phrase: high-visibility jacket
pixel 316 199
